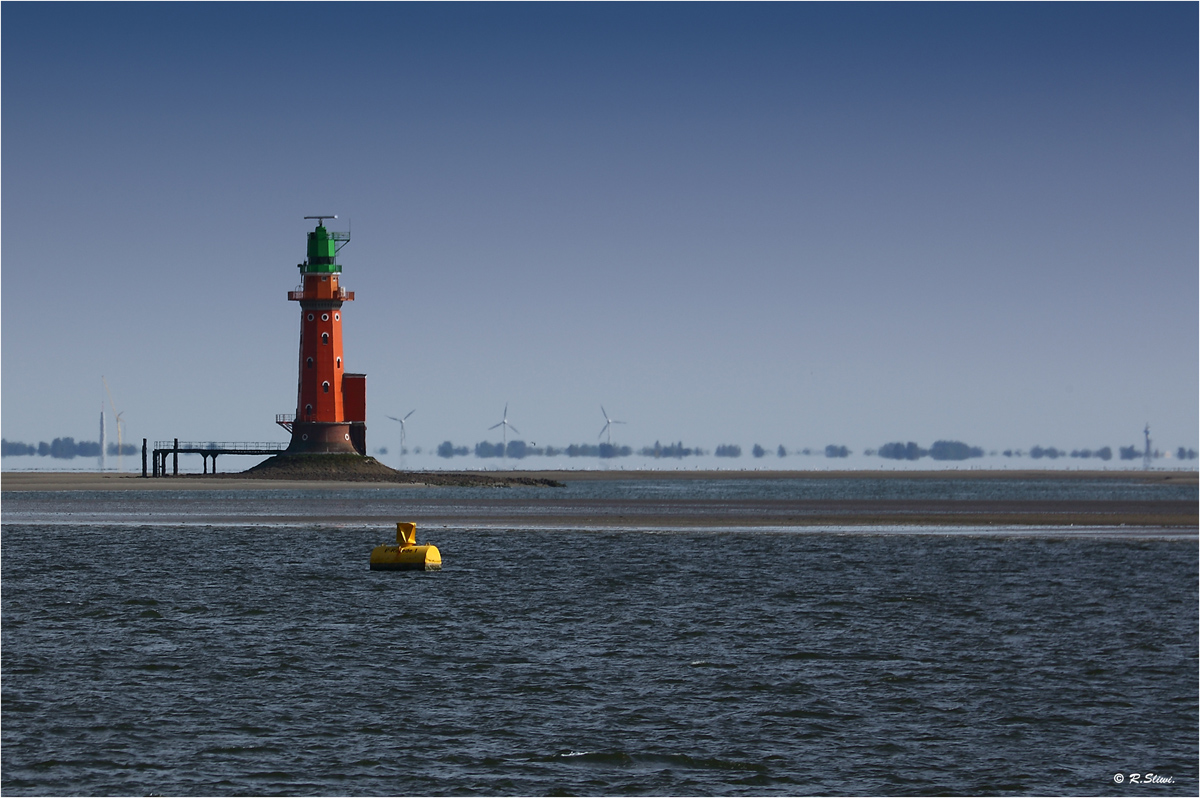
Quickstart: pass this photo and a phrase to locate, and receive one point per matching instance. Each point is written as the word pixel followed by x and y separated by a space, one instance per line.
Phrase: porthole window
pixel 304 437
pixel 347 436
pixel 324 338
pixel 325 387
pixel 337 316
pixel 310 317
pixel 309 362
pixel 324 317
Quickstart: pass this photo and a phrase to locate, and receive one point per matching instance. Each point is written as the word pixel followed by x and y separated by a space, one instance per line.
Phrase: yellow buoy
pixel 406 555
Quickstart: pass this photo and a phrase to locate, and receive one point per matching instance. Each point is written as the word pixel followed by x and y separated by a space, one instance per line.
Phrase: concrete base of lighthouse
pixel 321 437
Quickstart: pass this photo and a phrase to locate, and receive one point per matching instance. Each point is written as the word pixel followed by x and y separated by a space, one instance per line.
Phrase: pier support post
pixel 143 458
pixel 175 466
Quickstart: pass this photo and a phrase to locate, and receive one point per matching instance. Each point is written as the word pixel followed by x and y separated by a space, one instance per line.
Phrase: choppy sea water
pixel 197 658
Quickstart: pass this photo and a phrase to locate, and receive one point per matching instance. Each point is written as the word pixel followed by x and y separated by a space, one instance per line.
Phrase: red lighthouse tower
pixel 331 405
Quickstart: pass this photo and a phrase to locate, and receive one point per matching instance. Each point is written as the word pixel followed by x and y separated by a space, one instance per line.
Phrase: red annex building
pixel 331 405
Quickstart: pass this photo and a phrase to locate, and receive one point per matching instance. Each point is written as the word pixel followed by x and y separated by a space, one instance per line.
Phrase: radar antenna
pixel 344 238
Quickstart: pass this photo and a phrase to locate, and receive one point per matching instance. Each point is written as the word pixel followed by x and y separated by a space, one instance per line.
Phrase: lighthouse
pixel 331 404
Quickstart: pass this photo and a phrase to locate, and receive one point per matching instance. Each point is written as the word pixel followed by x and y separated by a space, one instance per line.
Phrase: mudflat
pixel 96 480
pixel 1145 477
pixel 513 504
pixel 75 480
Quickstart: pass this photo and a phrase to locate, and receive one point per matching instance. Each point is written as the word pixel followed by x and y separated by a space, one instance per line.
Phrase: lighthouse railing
pixel 342 294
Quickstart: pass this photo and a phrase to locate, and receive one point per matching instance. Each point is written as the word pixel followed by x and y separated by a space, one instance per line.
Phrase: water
pixel 264 658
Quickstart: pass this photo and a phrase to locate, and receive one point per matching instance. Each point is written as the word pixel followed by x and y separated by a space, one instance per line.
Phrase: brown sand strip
pixel 83 480
pixel 1029 474
pixel 72 480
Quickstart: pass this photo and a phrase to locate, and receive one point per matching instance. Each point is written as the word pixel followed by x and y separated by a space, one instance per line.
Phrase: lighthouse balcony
pixel 341 295
pixel 285 420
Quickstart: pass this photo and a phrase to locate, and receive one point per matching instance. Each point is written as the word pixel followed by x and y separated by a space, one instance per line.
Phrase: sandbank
pixel 95 480
pixel 520 507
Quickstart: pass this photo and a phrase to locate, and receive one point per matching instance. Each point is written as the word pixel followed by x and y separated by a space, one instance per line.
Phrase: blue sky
pixel 797 224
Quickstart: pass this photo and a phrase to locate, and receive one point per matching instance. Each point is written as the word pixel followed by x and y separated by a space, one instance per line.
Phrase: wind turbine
pixel 102 464
pixel 608 422
pixel 506 426
pixel 402 420
pixel 120 425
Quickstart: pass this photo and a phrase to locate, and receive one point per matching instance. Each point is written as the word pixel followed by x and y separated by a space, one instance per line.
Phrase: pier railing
pixel 206 449
pixel 221 447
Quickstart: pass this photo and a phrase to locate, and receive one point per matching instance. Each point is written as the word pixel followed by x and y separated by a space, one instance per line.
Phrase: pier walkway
pixel 206 449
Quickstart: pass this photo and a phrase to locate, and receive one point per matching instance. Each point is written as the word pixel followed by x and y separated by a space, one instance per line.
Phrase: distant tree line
pixel 902 451
pixel 448 449
pixel 1137 453
pixel 832 450
pixel 604 450
pixel 1104 453
pixel 954 450
pixel 940 450
pixel 1130 452
pixel 485 449
pixel 518 450
pixel 1037 453
pixel 62 448
pixel 677 450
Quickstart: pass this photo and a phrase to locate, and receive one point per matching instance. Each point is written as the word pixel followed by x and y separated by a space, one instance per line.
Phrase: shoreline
pixel 1149 477
pixel 97 480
